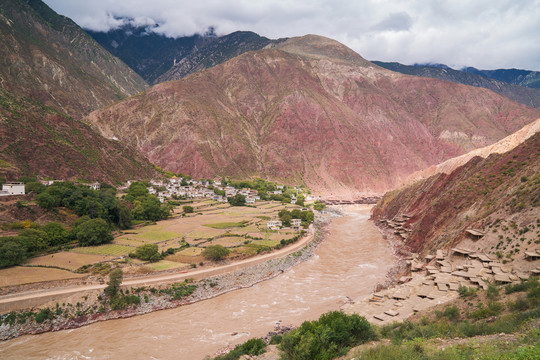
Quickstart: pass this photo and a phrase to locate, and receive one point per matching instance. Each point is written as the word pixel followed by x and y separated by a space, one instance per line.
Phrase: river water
pixel 349 263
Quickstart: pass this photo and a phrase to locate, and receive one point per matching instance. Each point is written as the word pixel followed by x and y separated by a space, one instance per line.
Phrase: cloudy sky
pixel 486 34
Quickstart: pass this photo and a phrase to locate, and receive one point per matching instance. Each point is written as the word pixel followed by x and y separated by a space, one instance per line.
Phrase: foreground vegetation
pixel 442 335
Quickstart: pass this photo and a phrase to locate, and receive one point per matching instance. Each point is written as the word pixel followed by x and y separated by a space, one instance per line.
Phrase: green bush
pixel 492 292
pixel 12 251
pixel 56 233
pixel 251 347
pixel 237 200
pixel 148 252
pixel 187 209
pixel 215 252
pixel 330 336
pixel 44 314
pixel 466 291
pixel 451 312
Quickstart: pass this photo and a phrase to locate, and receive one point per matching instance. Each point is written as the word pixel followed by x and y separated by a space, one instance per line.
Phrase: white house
pixel 95 186
pixel 250 200
pixel 12 189
pixel 296 223
pixel 274 224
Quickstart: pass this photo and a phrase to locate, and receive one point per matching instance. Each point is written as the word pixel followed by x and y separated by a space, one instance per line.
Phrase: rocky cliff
pixel 309 110
pixel 497 196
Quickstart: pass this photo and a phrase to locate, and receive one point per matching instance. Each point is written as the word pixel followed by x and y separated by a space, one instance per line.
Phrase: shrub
pixel 148 252
pixel 12 251
pixel 115 280
pixel 251 347
pixel 451 312
pixel 215 252
pixel 34 186
pixel 519 305
pixel 56 233
pixel 492 292
pixel 45 201
pixel 187 209
pixel 326 338
pixel 44 314
pixel 237 200
pixel 466 291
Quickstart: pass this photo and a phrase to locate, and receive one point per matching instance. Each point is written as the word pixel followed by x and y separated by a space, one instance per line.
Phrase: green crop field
pixel 165 265
pixel 227 225
pixel 269 243
pixel 157 236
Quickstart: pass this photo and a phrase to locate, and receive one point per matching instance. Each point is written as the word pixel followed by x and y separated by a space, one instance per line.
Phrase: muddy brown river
pixel 349 263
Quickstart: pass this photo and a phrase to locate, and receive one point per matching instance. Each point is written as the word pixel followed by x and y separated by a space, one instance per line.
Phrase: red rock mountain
pixel 309 110
pixel 498 196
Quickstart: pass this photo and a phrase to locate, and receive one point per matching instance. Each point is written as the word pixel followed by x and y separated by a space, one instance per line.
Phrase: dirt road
pixel 35 297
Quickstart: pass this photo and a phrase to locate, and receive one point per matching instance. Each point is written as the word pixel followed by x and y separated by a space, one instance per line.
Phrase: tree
pixel 93 232
pixel 122 214
pixel 137 189
pixel 237 200
pixel 187 209
pixel 148 252
pixel 319 206
pixel 35 186
pixel 56 233
pixel 115 280
pixel 215 252
pixel 300 200
pixel 34 239
pixel 286 219
pixel 45 201
pixel 12 251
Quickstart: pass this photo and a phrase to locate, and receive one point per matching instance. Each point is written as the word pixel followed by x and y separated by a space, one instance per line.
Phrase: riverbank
pixel 84 309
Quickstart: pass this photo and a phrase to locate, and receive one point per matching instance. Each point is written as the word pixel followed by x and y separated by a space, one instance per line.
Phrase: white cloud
pixel 482 33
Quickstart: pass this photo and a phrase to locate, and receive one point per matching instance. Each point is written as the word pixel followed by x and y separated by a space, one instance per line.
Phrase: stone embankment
pixel 206 289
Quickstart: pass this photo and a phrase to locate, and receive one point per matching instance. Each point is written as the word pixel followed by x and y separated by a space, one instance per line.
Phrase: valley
pixel 194 189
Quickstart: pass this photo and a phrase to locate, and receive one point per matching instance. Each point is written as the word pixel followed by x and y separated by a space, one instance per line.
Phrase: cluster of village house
pixel 203 189
pixel 173 187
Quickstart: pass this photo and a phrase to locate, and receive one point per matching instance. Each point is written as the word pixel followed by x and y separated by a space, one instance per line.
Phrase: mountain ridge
pixel 51 74
pixel 522 94
pixel 338 127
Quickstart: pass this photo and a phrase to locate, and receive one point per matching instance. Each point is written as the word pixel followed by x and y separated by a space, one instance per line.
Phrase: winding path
pixel 31 298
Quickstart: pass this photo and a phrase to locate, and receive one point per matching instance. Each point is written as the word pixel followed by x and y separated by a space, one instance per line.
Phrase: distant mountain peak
pixel 320 47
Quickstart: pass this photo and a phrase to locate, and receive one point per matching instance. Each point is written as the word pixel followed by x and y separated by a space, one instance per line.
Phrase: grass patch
pixel 157 236
pixel 227 225
pixel 165 265
pixel 267 243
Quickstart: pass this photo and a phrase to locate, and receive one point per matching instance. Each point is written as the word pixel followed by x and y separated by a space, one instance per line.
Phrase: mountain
pixel 215 51
pixel 497 196
pixel 521 94
pixel 158 58
pixel 52 72
pixel 511 76
pixel 501 146
pixel 39 140
pixel 313 111
pixel 49 58
pixel 146 52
